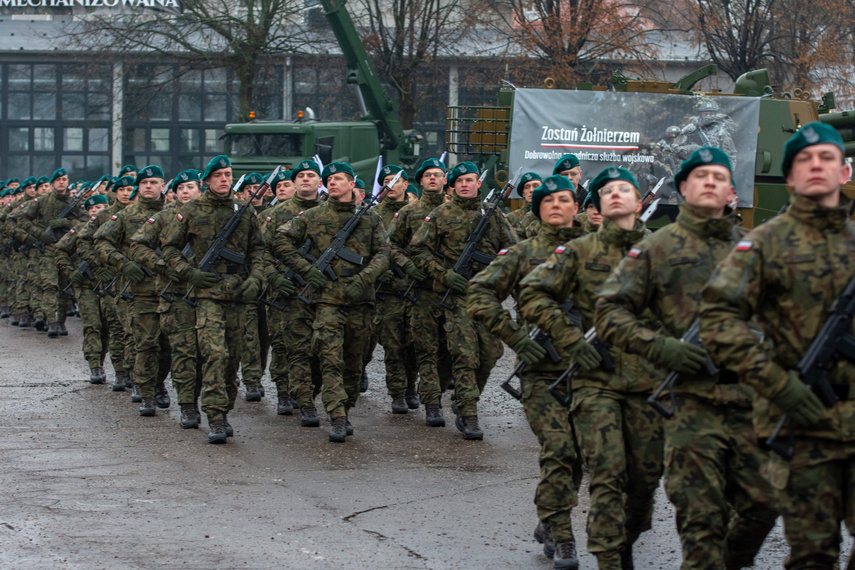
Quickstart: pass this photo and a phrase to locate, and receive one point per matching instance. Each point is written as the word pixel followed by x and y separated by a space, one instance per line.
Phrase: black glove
pixel 315 277
pixel 132 271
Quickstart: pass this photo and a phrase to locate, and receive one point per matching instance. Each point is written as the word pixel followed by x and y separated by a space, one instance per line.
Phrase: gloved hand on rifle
pixel 315 277
pixel 171 274
pixel 132 271
pixel 413 272
pixel 30 240
pixel 249 289
pixel 59 223
pixel 76 278
pixel 355 290
pixel 283 285
pixel 456 281
pixel 586 355
pixel 682 357
pixel 798 401
pixel 387 277
pixel 46 237
pixel 202 279
pixel 528 350
pixel 105 275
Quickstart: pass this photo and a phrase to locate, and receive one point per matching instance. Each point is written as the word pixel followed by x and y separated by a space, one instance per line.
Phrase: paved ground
pixel 86 483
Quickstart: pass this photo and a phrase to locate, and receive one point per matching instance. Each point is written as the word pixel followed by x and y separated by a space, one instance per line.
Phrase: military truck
pixel 259 146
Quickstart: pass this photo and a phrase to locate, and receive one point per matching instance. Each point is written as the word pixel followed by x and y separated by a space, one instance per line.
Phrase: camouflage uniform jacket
pixel 786 274
pixel 66 258
pixel 528 226
pixel 577 270
pixel 441 240
pixel 85 235
pixel 144 247
pixel 408 221
pixel 35 217
pixel 515 217
pixel 277 216
pixel 198 223
pixel 113 240
pixel 665 274
pixel 13 227
pixel 320 225
pixel 491 287
pixel 399 255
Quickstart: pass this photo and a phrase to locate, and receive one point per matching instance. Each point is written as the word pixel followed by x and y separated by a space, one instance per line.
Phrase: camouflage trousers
pixel 278 350
pixel 816 492
pixel 26 287
pixel 178 323
pixel 153 354
pixel 123 314
pixel 427 327
pixel 219 325
pixel 54 303
pixel 559 456
pixel 392 326
pixel 120 339
pixel 621 440
pixel 255 343
pixel 339 340
pixel 96 331
pixel 725 507
pixel 304 366
pixel 474 352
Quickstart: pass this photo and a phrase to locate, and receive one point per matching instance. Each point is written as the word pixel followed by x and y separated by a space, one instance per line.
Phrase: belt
pixel 229 268
pixel 728 377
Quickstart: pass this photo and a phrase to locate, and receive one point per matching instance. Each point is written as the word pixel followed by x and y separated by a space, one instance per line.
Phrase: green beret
pixel 528 177
pixel 42 180
pixel 123 181
pixel 15 179
pixel 307 164
pixel 554 183
pixel 95 199
pixel 56 174
pixel 427 165
pixel 460 170
pixel 566 162
pixel 358 183
pixel 151 171
pixel 587 201
pixel 411 188
pixel 133 192
pixel 280 176
pixel 191 175
pixel 217 163
pixel 390 169
pixel 29 181
pixel 604 177
pixel 334 167
pixel 127 168
pixel 701 157
pixel 809 135
pixel 251 178
pixel 4 193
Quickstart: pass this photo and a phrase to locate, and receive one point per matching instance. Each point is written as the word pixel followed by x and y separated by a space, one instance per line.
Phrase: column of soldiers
pixel 173 280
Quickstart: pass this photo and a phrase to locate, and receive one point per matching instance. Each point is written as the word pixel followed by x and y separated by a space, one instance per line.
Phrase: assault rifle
pixel 567 377
pixel 692 336
pixel 127 292
pixel 336 249
pixel 832 342
pixel 167 294
pixel 218 249
pixel 86 271
pixel 289 274
pixel 542 338
pixel 470 254
pixel 72 206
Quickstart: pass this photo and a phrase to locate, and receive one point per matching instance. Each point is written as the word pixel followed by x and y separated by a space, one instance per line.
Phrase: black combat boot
pixel 97 375
pixel 135 394
pixel 399 406
pixel 61 329
pixel 52 330
pixel 543 535
pixel 5 312
pixel 40 324
pixel 433 416
pixel 230 431
pixel 198 414
pixel 338 430
pixel 348 427
pixel 161 396
pixel 253 393
pixel 413 401
pixel 147 406
pixel 565 557
pixel 284 407
pixel 471 429
pixel 627 563
pixel 188 416
pixel 16 320
pixel 309 417
pixel 363 384
pixel 26 321
pixel 217 432
pixel 122 377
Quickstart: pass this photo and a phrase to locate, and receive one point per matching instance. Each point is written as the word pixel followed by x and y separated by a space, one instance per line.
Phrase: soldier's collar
pixel 341 206
pixel 614 234
pixel 466 203
pixel 809 212
pixel 433 198
pixel 702 225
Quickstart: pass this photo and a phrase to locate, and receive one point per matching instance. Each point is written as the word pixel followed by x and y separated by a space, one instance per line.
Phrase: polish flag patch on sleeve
pixel 427 219
pixel 71 231
pixel 151 220
pixel 92 218
pixel 114 217
pixel 268 218
pixel 561 249
pixel 502 251
pixel 180 218
pixel 744 245
pixel 634 253
pixel 396 214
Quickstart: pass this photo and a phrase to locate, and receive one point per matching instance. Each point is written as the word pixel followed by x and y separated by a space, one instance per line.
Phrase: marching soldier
pixel 787 275
pixel 528 182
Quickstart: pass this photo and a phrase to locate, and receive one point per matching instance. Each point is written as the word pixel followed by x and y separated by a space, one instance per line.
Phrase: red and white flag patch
pixel 396 214
pixel 427 219
pixel 561 249
pixel 744 245
pixel 114 217
pixel 502 251
pixel 180 218
pixel 151 220
pixel 634 253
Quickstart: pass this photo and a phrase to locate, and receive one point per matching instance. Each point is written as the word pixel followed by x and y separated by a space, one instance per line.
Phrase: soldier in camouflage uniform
pixel 297 372
pixel 177 318
pixel 787 275
pixel 527 184
pixel 112 242
pixel 436 247
pixel 341 313
pixel 27 260
pixel 619 434
pixel 218 315
pixel 554 203
pixel 96 331
pixel 393 311
pixel 712 462
pixel 427 318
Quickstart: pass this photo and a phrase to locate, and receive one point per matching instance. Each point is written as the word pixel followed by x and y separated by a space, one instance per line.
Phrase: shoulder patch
pixel 71 231
pixel 427 219
pixel 22 205
pixel 561 248
pixel 268 218
pixel 744 245
pixel 114 217
pixel 93 218
pixel 180 218
pixel 396 214
pixel 634 253
pixel 504 215
pixel 151 220
pixel 35 199
pixel 502 251
pixel 300 213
